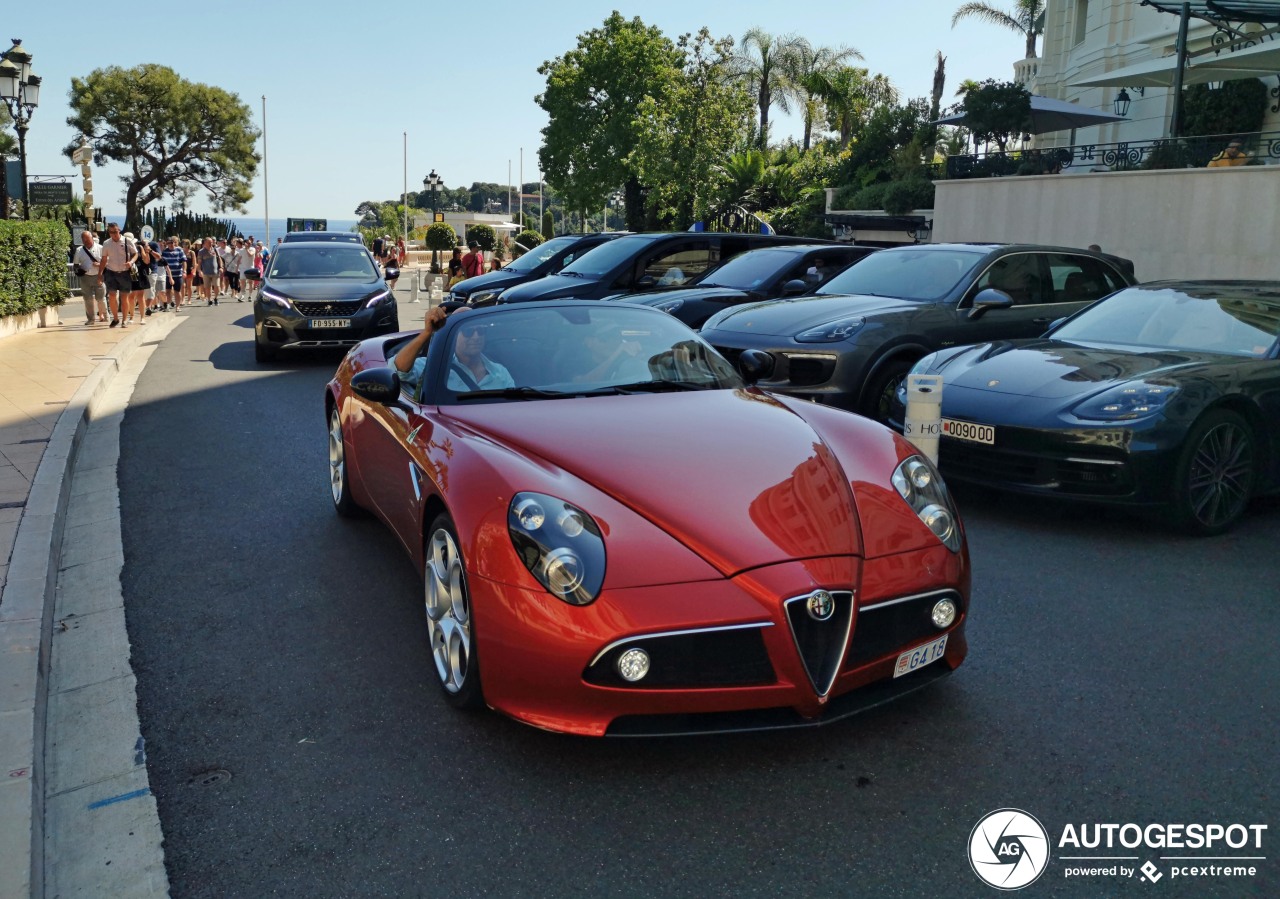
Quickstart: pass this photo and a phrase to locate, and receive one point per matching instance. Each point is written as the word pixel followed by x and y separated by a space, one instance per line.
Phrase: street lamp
pixel 20 91
pixel 433 184
pixel 1121 103
pixel 615 200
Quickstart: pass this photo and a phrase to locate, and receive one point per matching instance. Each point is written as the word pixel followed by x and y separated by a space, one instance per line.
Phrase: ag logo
pixel 1008 849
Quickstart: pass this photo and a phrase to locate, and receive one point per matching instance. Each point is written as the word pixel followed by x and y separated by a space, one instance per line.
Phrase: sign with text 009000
pixel 49 193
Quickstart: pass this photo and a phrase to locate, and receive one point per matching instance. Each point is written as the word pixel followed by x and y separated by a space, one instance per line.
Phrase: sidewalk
pixel 52 382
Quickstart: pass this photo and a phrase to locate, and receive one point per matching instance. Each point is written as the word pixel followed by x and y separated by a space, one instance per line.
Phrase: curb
pixel 26 630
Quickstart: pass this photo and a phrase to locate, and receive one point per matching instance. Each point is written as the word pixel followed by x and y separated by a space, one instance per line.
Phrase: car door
pixel 673 264
pixel 1024 277
pixel 392 442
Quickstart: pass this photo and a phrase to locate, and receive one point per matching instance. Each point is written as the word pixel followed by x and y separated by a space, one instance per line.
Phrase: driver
pixel 469 368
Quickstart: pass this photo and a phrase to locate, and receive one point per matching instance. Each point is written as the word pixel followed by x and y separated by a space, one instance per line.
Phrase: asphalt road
pixel 298 746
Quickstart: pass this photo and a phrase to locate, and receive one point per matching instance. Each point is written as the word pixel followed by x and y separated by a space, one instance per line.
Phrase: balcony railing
pixel 1164 153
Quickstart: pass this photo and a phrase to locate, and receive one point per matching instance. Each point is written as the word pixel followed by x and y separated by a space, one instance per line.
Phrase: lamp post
pixel 433 184
pixel 20 91
pixel 615 200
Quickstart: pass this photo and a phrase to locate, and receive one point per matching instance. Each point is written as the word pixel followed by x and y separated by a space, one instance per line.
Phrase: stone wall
pixel 1176 223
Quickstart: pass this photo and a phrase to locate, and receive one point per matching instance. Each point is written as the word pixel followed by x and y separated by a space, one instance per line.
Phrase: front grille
pixel 338 310
pixel 885 629
pixel 711 658
pixel 807 371
pixel 993 465
pixel 821 642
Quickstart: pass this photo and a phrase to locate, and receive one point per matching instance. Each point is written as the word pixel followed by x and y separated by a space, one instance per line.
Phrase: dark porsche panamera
pixel 1165 395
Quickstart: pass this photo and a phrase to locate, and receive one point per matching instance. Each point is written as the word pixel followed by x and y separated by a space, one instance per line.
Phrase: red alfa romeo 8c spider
pixel 619 535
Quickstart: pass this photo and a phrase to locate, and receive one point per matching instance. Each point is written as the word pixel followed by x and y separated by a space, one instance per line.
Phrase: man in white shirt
pixel 246 258
pixel 117 257
pixel 88 263
pixel 227 254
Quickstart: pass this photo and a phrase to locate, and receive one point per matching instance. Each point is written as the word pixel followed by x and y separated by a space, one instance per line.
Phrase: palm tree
pixel 850 94
pixel 810 66
pixel 764 62
pixel 1027 18
pixel 742 173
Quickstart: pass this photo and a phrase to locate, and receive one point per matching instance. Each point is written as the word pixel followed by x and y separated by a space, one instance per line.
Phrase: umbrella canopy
pixel 1258 61
pixel 1048 114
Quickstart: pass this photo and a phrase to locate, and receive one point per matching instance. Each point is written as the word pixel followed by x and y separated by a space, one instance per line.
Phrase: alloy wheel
pixel 337 458
pixel 448 611
pixel 1220 477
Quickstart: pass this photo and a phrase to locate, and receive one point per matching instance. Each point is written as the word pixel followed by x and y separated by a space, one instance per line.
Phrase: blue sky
pixel 344 81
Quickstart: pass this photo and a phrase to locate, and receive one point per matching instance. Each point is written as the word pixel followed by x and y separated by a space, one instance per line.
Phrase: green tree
pixel 592 98
pixel 850 94
pixel 168 131
pixel 996 111
pixel 1026 18
pixel 741 176
pixel 527 240
pixel 811 69
pixel 548 225
pixel 704 116
pixel 764 62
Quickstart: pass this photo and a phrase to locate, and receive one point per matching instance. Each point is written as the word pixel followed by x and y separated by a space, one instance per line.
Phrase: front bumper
pixel 726 654
pixel 302 326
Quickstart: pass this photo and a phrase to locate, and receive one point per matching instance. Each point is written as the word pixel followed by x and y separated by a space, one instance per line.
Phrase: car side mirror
pixel 253 274
pixel 989 298
pixel 1056 322
pixel 755 365
pixel 794 287
pixel 377 385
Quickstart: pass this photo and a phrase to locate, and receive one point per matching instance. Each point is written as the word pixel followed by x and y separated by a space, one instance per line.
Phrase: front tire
pixel 339 478
pixel 877 402
pixel 262 353
pixel 1216 473
pixel 450 626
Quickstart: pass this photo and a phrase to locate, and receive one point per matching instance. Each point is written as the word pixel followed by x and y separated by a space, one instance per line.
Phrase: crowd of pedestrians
pixel 129 279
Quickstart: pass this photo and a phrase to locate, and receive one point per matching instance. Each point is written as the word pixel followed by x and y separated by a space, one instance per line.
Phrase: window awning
pixel 1266 12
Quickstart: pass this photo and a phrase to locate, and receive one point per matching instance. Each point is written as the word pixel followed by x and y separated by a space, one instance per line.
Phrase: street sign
pixel 439 217
pixel 148 233
pixel 300 224
pixel 49 193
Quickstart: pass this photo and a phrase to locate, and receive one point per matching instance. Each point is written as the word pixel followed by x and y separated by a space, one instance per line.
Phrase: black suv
pixel 852 342
pixel 636 262
pixel 544 259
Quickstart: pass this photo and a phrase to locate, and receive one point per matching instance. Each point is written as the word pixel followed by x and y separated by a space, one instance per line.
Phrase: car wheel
pixel 339 482
pixel 449 621
pixel 1215 474
pixel 263 354
pixel 877 401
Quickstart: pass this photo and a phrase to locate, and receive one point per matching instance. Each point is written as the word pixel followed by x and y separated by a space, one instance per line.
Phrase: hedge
pixel 527 240
pixel 33 265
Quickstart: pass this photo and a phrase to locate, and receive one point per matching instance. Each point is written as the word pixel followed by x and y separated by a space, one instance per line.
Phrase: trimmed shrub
pixel 548 226
pixel 900 197
pixel 483 235
pixel 33 265
pixel 525 241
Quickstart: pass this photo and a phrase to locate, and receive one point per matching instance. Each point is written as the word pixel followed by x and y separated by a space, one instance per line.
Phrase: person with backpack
pixel 87 260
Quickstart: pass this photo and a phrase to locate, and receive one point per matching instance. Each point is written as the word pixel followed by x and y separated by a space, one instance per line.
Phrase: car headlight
pixel 275 299
pixel 832 332
pixel 1125 402
pixel 560 544
pixel 669 305
pixel 482 296
pixel 920 485
pixel 377 298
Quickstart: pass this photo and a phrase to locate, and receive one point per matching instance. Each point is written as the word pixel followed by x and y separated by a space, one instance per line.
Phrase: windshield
pixel 1243 323
pixel 541 253
pixel 925 273
pixel 749 270
pixel 513 353
pixel 599 261
pixel 341 260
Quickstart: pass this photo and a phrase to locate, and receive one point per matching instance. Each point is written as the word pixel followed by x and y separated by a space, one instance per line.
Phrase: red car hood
pixel 732 474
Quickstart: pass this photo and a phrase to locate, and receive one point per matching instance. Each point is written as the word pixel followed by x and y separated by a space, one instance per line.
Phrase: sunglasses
pixel 472 332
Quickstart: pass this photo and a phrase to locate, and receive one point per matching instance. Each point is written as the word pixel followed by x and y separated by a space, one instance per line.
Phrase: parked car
pixel 637 262
pixel 323 236
pixel 319 295
pixel 762 274
pixel 1165 395
pixel 544 259
pixel 852 341
pixel 572 583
